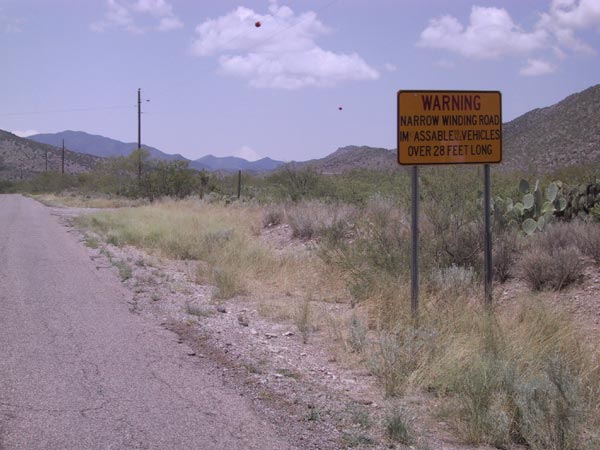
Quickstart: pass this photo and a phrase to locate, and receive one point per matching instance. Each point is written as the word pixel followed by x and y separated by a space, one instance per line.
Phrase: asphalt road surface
pixel 79 371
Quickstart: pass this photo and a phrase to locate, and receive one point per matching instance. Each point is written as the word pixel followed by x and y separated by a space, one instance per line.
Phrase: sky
pixel 315 75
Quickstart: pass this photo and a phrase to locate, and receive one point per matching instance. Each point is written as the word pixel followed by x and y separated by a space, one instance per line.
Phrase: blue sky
pixel 218 84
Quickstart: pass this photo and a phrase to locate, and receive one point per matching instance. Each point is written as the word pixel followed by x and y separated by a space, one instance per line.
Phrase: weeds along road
pixel 79 371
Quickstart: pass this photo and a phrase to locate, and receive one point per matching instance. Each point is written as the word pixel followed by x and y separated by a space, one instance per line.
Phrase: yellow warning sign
pixel 449 127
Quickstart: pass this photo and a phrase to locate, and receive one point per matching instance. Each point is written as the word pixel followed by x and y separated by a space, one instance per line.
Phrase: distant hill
pixel 102 146
pixel 352 157
pixel 97 145
pixel 22 158
pixel 232 163
pixel 560 135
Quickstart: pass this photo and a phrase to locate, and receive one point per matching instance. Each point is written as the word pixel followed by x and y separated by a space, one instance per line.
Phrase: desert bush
pixel 506 249
pixel 357 334
pixel 550 408
pixel 397 426
pixel 227 282
pixel 375 260
pixel 452 232
pixel 396 357
pixel 595 212
pixel 302 318
pixel 557 235
pixel 454 281
pixel 519 377
pixel 273 216
pixel 587 238
pixel 314 220
pixel 551 259
pixel 551 269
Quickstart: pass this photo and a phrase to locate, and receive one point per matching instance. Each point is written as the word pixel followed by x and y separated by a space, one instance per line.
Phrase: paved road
pixel 79 371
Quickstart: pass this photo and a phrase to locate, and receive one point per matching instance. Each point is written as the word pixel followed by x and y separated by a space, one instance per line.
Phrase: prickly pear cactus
pixel 536 208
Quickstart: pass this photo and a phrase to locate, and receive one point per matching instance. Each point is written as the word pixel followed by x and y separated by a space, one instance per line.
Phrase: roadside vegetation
pixel 524 372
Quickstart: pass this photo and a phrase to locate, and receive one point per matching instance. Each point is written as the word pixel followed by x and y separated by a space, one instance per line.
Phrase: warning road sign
pixel 449 127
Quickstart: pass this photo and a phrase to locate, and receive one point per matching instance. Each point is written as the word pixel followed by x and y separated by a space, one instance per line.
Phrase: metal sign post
pixel 414 254
pixel 487 243
pixel 449 127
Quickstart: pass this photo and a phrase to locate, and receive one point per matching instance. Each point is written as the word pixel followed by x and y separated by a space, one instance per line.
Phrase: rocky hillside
pixel 21 158
pixel 352 157
pixel 560 135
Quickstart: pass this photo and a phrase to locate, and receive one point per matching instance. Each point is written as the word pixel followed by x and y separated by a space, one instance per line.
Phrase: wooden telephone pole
pixel 63 158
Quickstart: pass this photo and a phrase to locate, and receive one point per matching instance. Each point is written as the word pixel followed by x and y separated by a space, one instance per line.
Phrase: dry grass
pixel 226 240
pixel 86 201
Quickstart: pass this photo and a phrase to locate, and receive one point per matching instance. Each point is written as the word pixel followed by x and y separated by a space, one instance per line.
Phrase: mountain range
pixel 102 146
pixel 544 139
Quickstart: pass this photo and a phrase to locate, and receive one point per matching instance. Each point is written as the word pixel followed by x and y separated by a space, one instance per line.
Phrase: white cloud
pixel 574 14
pixel 247 153
pixel 537 67
pixel 390 67
pixel 10 25
pixel 281 53
pixel 566 17
pixel 156 15
pixel 490 34
pixel 25 133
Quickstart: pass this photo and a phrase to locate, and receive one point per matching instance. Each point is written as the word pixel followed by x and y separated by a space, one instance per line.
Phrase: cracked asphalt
pixel 79 371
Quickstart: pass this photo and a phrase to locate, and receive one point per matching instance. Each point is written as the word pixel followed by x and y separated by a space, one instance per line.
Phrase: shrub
pixel 551 269
pixel 551 259
pixel 506 248
pixel 452 232
pixel 587 238
pixel 357 334
pixel 521 378
pixel 302 318
pixel 396 358
pixel 273 216
pixel 227 283
pixel 454 281
pixel 398 428
pixel 550 408
pixel 313 220
pixel 375 260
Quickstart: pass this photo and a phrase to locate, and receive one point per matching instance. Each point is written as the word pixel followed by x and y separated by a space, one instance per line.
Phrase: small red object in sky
pixel 257 24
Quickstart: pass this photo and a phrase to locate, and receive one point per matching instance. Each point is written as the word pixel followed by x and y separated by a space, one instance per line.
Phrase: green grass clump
pixel 397 427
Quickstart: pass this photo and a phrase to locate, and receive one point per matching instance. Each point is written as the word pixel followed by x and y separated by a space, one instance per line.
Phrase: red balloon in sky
pixel 257 24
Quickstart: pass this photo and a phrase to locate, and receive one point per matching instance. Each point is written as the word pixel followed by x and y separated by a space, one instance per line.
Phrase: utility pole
pixel 63 158
pixel 139 147
pixel 46 160
pixel 139 135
